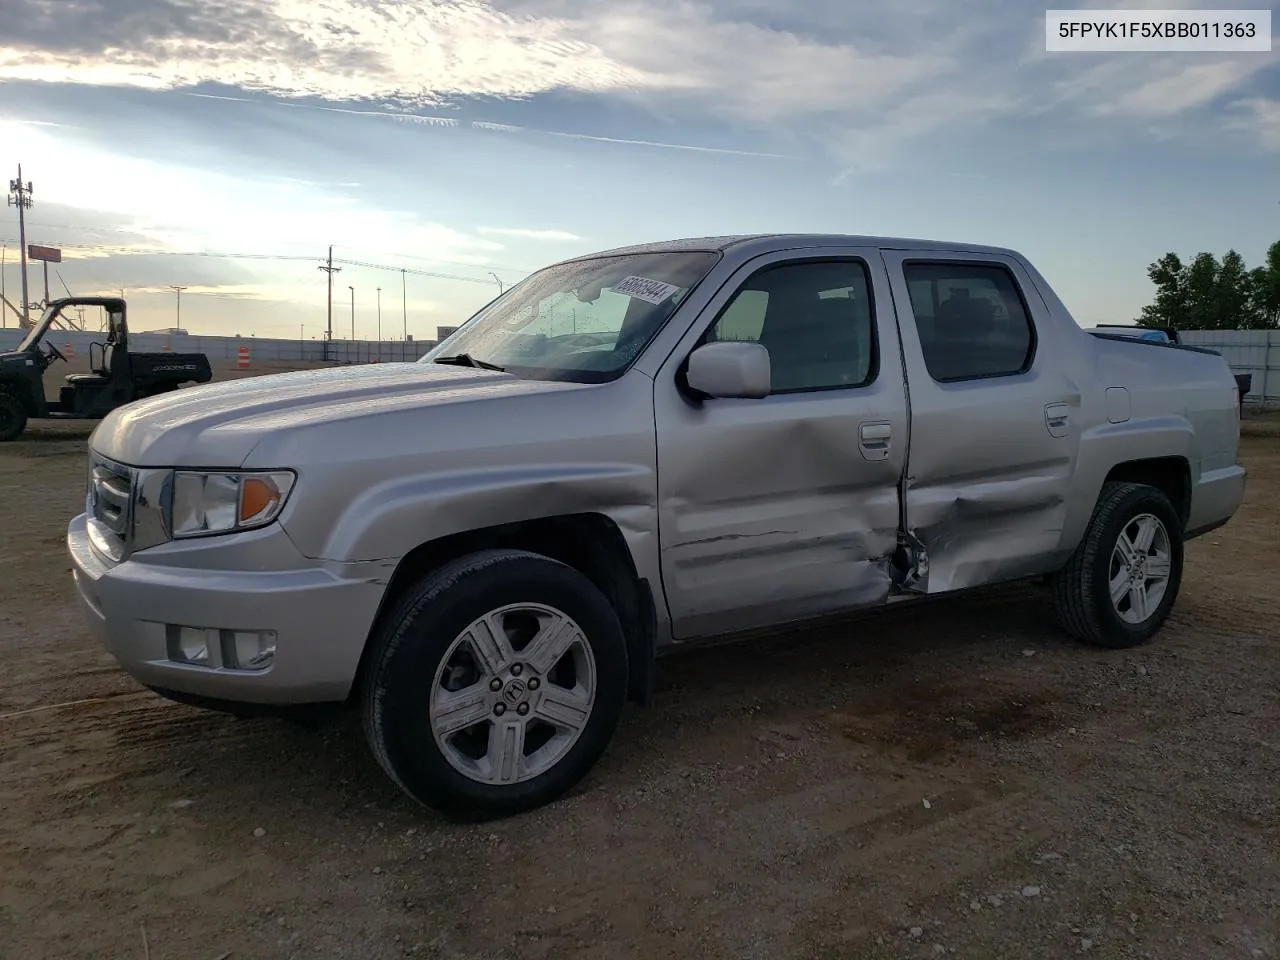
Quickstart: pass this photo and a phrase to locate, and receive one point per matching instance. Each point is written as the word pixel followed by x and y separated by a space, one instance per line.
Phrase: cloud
pixel 654 143
pixel 406 51
pixel 496 127
pixel 79 198
pixel 1156 88
pixel 856 80
pixel 1259 119
pixel 418 54
pixel 489 126
pixel 529 234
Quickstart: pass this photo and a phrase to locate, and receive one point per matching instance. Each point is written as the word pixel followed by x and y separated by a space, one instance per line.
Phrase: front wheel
pixel 495 685
pixel 13 416
pixel 1120 584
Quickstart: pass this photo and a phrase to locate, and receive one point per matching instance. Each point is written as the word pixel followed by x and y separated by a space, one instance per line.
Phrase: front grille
pixel 110 504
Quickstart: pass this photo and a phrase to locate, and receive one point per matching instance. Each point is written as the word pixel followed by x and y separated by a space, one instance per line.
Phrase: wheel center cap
pixel 514 691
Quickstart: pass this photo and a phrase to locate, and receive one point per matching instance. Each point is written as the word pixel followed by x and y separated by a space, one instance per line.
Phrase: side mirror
pixel 730 369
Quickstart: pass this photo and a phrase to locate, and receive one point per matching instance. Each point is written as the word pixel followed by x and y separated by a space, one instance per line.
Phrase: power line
pixel 151 252
pixel 326 264
pixel 144 252
pixel 452 263
pixel 504 268
pixel 419 273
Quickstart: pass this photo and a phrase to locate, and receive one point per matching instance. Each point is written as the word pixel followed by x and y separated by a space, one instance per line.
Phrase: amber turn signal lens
pixel 257 496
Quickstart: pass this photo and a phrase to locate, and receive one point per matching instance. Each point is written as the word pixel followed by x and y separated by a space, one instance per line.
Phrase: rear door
pixel 995 429
pixel 786 507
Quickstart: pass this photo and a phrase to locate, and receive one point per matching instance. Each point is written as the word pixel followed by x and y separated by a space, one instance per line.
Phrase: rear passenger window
pixel 815 319
pixel 971 319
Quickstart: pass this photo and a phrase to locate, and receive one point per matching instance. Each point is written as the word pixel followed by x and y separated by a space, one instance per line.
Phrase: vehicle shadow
pixel 900 679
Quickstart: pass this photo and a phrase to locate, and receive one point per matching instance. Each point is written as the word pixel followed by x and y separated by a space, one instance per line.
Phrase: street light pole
pixel 498 281
pixel 353 313
pixel 404 299
pixel 178 290
pixel 379 314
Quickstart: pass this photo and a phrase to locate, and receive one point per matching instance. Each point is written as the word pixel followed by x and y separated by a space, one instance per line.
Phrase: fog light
pixel 248 649
pixel 188 644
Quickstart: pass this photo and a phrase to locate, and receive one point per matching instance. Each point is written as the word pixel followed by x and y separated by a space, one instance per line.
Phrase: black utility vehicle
pixel 118 376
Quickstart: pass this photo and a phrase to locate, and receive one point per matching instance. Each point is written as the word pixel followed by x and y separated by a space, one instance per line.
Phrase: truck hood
pixel 219 424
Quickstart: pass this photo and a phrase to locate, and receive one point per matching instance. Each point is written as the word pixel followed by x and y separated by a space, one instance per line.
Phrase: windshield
pixel 35 334
pixel 582 321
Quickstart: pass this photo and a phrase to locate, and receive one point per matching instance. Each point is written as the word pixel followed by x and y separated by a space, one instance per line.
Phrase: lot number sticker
pixel 651 291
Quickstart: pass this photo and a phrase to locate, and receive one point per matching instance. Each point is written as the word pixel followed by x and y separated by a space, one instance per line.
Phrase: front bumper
pixel 320 613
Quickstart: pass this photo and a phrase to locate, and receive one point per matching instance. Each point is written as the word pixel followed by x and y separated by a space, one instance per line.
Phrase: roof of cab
pixel 756 244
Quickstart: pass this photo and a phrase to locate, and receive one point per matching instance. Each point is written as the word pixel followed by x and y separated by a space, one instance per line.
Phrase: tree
pixel 1206 294
pixel 1264 289
pixel 1203 293
pixel 1169 308
pixel 1233 295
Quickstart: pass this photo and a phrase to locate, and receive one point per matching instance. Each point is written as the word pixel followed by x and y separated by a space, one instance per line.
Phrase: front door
pixel 994 418
pixel 785 508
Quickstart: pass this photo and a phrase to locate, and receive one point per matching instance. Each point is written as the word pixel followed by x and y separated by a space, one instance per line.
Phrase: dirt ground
pixel 950 779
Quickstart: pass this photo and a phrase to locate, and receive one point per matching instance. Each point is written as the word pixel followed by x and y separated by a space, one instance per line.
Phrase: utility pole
pixel 20 197
pixel 404 299
pixel 178 290
pixel 330 269
pixel 353 313
pixel 379 314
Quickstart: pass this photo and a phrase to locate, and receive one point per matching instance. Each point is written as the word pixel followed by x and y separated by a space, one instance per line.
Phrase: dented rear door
pixel 995 414
pixel 785 508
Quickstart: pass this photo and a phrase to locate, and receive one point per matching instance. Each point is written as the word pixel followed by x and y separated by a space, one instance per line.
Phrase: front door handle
pixel 875 439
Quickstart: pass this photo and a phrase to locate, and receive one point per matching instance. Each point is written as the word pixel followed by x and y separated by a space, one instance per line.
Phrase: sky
pixel 448 147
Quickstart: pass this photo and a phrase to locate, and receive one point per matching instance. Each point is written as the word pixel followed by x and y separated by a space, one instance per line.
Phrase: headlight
pixel 205 503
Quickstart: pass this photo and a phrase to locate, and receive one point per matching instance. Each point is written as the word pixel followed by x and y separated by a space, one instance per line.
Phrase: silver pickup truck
pixel 483 551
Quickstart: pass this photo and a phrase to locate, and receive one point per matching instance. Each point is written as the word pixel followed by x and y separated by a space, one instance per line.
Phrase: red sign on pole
pixel 47 254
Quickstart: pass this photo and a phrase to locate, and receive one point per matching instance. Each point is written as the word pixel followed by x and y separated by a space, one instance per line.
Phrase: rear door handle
pixel 875 439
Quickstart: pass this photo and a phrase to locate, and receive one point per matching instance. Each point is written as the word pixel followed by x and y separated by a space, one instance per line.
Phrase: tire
pixel 1082 590
pixel 423 646
pixel 13 416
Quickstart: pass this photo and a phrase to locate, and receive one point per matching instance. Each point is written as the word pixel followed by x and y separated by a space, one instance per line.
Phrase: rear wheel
pixel 495 685
pixel 13 416
pixel 1120 584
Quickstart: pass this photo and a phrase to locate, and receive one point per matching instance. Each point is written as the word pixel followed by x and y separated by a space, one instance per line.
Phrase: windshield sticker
pixel 651 291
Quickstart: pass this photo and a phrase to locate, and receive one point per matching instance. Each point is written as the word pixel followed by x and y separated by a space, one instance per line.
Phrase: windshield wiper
pixel 467 360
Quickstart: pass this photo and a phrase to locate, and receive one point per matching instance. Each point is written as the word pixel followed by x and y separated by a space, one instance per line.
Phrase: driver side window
pixel 815 319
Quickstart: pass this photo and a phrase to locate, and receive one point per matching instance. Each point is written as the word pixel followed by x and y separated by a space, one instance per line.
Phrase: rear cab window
pixel 972 319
